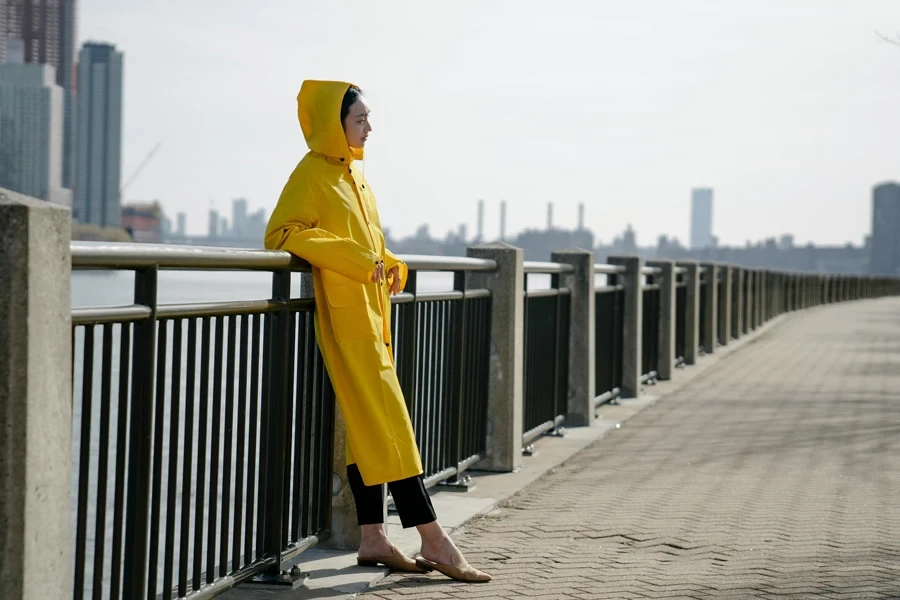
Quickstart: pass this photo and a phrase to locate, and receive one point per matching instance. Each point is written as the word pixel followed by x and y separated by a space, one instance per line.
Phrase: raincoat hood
pixel 319 111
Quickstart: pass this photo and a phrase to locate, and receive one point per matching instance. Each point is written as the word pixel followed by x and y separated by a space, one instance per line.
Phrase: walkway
pixel 774 474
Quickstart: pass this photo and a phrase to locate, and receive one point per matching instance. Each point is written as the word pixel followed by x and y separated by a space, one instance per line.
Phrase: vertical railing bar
pixel 239 474
pixel 190 393
pixel 303 400
pixel 156 491
pixel 278 375
pixel 215 440
pixel 203 422
pixel 117 567
pixel 306 427
pixel 264 433
pixel 227 467
pixel 289 387
pixel 140 439
pixel 102 462
pixel 84 460
pixel 252 445
pixel 172 489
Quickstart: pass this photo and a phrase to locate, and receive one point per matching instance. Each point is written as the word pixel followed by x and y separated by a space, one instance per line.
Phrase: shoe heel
pixel 361 562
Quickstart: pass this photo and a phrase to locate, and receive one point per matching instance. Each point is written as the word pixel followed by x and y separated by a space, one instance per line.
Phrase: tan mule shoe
pixel 396 561
pixel 459 569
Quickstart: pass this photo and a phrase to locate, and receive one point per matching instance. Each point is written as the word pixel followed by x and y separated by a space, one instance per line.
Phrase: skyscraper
pixel 46 31
pixel 701 218
pixel 98 177
pixel 885 245
pixel 31 121
pixel 239 217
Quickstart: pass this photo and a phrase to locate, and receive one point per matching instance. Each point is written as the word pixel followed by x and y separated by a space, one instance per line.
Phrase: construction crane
pixel 137 171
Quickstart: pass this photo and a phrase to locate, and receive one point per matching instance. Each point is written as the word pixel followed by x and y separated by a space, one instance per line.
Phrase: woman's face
pixel 356 125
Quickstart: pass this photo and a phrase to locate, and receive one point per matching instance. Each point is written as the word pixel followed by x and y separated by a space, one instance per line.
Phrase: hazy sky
pixel 790 109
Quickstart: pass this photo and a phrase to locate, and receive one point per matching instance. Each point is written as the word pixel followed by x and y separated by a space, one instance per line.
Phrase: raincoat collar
pixel 319 111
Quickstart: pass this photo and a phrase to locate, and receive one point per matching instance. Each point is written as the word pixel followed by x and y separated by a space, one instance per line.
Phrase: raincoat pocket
pixel 349 310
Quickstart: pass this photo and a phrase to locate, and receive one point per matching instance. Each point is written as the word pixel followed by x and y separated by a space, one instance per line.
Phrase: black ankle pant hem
pixel 410 497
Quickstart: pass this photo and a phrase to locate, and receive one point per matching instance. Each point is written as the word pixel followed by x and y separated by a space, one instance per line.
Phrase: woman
pixel 327 215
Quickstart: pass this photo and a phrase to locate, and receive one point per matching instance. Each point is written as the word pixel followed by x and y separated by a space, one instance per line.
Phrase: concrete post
pixel 582 367
pixel 711 315
pixel 505 404
pixel 758 299
pixel 35 399
pixel 750 306
pixel 692 308
pixel 667 305
pixel 727 304
pixel 737 299
pixel 632 282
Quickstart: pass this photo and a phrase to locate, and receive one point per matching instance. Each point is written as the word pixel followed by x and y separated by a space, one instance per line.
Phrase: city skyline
pixel 786 111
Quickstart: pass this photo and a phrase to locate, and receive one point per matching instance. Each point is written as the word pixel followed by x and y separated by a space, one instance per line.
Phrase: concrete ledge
pixel 334 574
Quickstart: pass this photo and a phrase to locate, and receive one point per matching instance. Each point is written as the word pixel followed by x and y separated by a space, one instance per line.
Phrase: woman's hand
pixel 378 275
pixel 394 275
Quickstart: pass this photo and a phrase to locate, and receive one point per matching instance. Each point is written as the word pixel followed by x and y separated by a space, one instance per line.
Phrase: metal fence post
pixel 632 282
pixel 505 403
pixel 280 374
pixel 35 399
pixel 140 439
pixel 666 356
pixel 581 334
pixel 711 315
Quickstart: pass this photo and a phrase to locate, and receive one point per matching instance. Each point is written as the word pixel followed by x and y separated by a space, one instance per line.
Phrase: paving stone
pixel 773 474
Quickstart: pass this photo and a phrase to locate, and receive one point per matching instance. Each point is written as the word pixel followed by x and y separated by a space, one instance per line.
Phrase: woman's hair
pixel 350 97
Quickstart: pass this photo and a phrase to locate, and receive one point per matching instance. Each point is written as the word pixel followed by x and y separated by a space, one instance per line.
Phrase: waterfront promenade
pixel 772 474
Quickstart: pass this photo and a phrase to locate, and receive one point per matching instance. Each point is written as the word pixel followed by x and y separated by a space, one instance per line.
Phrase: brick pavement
pixel 774 474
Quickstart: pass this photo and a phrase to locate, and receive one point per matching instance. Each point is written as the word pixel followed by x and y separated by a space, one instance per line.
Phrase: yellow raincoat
pixel 327 215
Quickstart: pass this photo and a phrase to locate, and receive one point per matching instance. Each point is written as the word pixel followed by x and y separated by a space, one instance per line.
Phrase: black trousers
pixel 410 496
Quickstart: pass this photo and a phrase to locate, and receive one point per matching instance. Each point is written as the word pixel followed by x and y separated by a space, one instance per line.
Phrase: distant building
pixel 885 243
pixel 144 222
pixel 214 222
pixel 31 122
pixel 701 218
pixel 239 217
pixel 98 181
pixel 181 228
pixel 43 33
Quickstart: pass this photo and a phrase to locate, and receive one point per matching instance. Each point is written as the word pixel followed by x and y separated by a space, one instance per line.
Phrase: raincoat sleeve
pixel 392 260
pixel 292 228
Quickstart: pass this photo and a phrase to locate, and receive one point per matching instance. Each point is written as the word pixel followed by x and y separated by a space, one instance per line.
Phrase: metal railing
pixel 219 464
pixel 546 352
pixel 205 431
pixel 609 306
pixel 442 353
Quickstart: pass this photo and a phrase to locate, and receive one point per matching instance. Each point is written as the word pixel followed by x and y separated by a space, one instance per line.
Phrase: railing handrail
pixel 601 269
pixel 551 268
pixel 117 255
